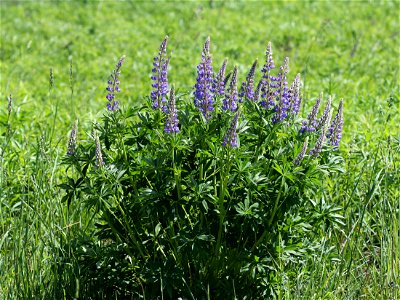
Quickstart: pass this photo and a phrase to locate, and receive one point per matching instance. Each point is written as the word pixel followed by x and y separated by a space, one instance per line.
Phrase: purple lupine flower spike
pixel 99 156
pixel 257 91
pixel 335 130
pixel 310 124
pixel 295 99
pixel 231 135
pixel 316 150
pixel 9 107
pixel 113 86
pixel 268 81
pixel 300 156
pixel 282 94
pixel 247 88
pixel 219 81
pixel 160 78
pixel 325 115
pixel 203 94
pixel 171 123
pixel 231 98
pixel 72 139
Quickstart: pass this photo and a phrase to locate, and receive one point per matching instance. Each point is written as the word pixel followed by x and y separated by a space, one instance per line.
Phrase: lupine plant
pixel 113 86
pixel 210 195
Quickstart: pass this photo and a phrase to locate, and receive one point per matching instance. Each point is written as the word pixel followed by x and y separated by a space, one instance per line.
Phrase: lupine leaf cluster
pixel 199 198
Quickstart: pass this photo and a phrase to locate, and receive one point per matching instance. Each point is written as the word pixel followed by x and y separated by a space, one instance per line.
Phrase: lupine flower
pixel 160 77
pixel 231 98
pixel 72 139
pixel 268 81
pixel 171 123
pixel 247 88
pixel 324 118
pixel 310 124
pixel 227 77
pixel 51 79
pixel 257 91
pixel 300 156
pixel 335 130
pixel 113 86
pixel 99 156
pixel 318 145
pixel 282 94
pixel 231 135
pixel 203 95
pixel 9 108
pixel 295 99
pixel 219 80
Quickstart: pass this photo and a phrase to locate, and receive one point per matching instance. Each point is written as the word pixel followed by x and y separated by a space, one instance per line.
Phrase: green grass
pixel 348 49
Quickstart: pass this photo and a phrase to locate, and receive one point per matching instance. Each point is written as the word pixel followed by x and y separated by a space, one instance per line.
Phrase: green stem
pixel 272 215
pixel 177 175
pixel 221 207
pixel 276 202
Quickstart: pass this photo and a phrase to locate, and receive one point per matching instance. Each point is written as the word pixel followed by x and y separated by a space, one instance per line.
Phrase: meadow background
pixel 346 49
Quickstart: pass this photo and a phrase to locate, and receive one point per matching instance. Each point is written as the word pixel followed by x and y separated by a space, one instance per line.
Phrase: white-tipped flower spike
pixel 160 78
pixel 311 123
pixel 99 156
pixel 257 91
pixel 247 88
pixel 171 123
pixel 231 135
pixel 113 86
pixel 268 81
pixel 295 99
pixel 300 156
pixel 219 81
pixel 9 98
pixel 72 139
pixel 323 120
pixel 204 91
pixel 282 94
pixel 321 139
pixel 335 130
pixel 231 98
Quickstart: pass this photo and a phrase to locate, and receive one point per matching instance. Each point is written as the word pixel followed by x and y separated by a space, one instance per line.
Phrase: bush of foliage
pixel 203 193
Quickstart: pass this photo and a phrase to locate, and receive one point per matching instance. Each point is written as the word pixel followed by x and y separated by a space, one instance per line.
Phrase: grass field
pixel 349 50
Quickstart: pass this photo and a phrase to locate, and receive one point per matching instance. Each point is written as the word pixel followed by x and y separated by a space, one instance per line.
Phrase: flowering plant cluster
pixel 205 193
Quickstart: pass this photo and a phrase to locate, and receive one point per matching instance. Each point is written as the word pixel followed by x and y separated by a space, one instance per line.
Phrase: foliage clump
pixel 204 194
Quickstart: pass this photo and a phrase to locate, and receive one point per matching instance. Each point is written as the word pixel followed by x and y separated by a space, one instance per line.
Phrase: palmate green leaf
pixel 207 238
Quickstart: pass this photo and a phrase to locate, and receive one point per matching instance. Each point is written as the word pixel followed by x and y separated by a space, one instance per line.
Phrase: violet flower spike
pixel 203 94
pixel 282 94
pixel 324 119
pixel 295 99
pixel 247 88
pixel 171 123
pixel 318 145
pixel 113 86
pixel 160 78
pixel 335 130
pixel 300 156
pixel 268 81
pixel 231 98
pixel 231 135
pixel 219 80
pixel 310 124
pixel 72 139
